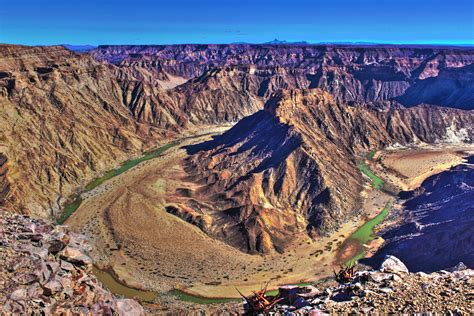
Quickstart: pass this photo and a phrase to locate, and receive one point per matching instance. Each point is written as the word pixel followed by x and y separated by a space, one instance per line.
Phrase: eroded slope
pixel 409 75
pixel 293 166
pixel 62 122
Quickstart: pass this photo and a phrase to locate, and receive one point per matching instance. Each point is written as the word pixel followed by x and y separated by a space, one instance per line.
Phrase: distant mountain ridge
pixel 362 74
pixel 278 42
pixel 79 48
pixel 109 104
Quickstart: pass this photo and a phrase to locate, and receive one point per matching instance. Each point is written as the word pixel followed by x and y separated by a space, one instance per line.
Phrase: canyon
pixel 436 231
pixel 133 97
pixel 292 166
pixel 265 165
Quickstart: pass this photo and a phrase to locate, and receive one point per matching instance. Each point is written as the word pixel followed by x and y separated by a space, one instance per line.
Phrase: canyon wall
pixel 292 167
pixel 67 117
pixel 438 223
pixel 4 183
pixel 63 122
pixel 408 75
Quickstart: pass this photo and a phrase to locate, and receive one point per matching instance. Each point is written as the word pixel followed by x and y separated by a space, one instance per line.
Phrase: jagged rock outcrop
pixel 292 167
pixel 409 75
pixel 384 291
pixel 46 270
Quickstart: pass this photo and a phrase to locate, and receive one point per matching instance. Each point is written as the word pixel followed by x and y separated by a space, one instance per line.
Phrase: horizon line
pixel 274 42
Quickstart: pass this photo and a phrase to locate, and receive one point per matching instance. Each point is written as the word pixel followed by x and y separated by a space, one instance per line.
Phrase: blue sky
pixel 95 22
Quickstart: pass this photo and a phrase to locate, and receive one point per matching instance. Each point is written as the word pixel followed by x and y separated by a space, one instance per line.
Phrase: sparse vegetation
pixel 70 208
pixel 128 165
pixel 200 300
pixel 371 154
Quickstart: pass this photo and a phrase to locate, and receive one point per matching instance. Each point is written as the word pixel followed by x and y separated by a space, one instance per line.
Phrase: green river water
pixel 76 200
pixel 363 235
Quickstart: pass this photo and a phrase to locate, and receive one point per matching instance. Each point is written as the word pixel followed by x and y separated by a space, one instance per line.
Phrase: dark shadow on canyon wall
pixel 438 231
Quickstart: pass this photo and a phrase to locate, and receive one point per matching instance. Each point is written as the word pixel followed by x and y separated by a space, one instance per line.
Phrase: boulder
pixel 42 272
pixel 76 256
pixel 53 266
pixel 38 252
pixel 393 264
pixel 288 293
pixel 308 292
pixel 459 267
pixel 53 286
pixel 127 307
pixel 378 277
pixel 56 246
pixel 67 266
pixel 19 294
pixel 300 303
pixel 34 291
pixel 26 278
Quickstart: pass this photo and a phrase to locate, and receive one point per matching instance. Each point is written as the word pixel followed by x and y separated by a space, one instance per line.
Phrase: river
pixel 438 227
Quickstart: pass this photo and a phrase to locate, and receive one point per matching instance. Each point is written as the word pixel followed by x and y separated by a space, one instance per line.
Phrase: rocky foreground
pixel 391 289
pixel 46 270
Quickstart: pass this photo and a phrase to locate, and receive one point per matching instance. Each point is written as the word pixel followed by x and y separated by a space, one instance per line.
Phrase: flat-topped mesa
pixel 292 168
pixel 35 52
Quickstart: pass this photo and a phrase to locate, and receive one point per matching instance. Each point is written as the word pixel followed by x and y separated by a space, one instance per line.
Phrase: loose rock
pixel 35 279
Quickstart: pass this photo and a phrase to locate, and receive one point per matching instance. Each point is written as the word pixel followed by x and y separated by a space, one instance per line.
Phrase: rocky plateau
pixel 303 118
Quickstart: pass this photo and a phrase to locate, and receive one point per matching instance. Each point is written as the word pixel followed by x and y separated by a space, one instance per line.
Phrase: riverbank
pixel 437 219
pixel 181 258
pixel 76 199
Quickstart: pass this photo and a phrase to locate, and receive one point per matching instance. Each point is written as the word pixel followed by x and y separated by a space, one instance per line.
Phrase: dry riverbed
pixel 146 247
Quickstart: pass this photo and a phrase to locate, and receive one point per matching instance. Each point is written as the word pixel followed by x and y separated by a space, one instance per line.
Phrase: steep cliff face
pixel 351 74
pixel 219 95
pixel 292 168
pixel 438 227
pixel 4 183
pixel 67 117
pixel 63 121
pixel 451 86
